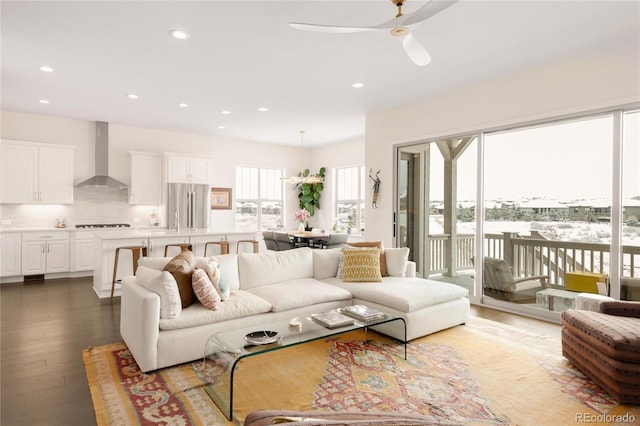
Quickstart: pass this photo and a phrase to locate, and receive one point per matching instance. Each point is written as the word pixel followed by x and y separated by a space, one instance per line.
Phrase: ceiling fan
pixel 400 27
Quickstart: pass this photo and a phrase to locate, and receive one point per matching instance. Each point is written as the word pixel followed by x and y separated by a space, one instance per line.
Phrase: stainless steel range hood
pixel 102 178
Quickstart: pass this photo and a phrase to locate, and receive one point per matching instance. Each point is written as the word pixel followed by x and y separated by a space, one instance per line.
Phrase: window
pixel 349 199
pixel 258 198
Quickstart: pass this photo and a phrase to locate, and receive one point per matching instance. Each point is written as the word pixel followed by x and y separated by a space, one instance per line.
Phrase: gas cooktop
pixel 104 225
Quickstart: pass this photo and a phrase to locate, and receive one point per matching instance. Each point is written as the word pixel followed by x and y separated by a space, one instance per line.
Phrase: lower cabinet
pixel 45 253
pixel 85 252
pixel 11 254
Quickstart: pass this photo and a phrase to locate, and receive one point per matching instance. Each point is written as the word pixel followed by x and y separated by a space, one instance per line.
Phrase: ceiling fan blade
pixel 425 12
pixel 415 51
pixel 328 28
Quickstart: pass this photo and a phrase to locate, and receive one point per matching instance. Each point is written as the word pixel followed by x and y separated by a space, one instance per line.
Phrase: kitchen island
pixel 155 240
pixel 32 253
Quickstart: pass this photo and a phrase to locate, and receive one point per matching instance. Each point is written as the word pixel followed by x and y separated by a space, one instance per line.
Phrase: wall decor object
pixel 221 198
pixel 376 187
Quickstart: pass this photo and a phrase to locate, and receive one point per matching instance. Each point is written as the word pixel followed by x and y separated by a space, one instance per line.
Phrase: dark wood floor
pixel 45 327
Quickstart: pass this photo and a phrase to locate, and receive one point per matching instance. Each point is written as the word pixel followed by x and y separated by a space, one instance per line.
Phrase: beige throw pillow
pixel 362 264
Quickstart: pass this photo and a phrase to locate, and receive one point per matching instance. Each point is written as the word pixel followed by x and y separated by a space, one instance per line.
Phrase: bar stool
pixel 183 246
pixel 254 242
pixel 224 246
pixel 136 252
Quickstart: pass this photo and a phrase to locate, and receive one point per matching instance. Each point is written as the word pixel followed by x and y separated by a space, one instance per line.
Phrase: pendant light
pixel 301 178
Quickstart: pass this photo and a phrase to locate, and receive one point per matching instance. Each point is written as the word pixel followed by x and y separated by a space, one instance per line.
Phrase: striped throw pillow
pixel 204 289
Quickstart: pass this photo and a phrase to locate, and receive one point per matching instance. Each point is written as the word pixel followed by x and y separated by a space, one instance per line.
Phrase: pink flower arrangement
pixel 301 215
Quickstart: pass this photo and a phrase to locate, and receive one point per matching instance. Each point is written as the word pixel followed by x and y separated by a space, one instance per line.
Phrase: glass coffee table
pixel 225 350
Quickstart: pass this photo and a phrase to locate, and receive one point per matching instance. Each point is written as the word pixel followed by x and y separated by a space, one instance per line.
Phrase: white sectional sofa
pixel 273 286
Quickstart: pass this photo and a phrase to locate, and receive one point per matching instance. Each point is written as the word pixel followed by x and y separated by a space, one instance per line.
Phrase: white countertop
pixel 115 233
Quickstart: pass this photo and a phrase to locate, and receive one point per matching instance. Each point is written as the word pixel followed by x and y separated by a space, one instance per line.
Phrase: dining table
pixel 311 239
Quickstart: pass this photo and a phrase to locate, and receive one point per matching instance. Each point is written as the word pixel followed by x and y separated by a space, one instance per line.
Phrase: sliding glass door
pixel 560 211
pixel 435 214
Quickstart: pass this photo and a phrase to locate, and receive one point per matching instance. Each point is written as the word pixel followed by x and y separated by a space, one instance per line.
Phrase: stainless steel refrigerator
pixel 188 206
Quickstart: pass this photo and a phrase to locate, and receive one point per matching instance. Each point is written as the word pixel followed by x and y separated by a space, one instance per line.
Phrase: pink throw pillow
pixel 204 290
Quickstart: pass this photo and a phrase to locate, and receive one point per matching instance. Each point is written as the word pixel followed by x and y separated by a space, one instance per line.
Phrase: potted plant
pixel 309 192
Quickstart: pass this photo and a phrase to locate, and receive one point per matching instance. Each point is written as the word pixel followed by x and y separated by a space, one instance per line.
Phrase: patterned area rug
pixel 439 386
pixel 482 373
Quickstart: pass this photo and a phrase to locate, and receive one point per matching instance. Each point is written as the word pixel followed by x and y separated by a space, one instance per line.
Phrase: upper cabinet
pixel 146 178
pixel 35 173
pixel 186 169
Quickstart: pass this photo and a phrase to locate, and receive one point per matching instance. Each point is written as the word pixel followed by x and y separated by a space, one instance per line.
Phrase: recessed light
pixel 263 109
pixel 183 105
pixel 132 96
pixel 225 112
pixel 221 127
pixel 43 101
pixel 357 85
pixel 179 34
pixel 46 68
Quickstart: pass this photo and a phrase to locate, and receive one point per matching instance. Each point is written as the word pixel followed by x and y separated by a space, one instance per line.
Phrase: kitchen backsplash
pixel 91 205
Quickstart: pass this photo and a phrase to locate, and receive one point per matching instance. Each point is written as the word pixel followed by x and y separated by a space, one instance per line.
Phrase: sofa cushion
pixel 229 278
pixel 397 259
pixel 297 293
pixel 257 269
pixel 403 294
pixel 325 263
pixel 164 285
pixel 154 262
pixel 361 264
pixel 240 304
pixel 181 267
pixel 205 290
pixel 378 244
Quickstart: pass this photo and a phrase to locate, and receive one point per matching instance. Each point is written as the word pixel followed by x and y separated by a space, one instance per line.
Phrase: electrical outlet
pixel 136 219
pixel 6 221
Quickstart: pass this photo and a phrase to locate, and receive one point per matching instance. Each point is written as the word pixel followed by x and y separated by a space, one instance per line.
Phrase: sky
pixel 565 161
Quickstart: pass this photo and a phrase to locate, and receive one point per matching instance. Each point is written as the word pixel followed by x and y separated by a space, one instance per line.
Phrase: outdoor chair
pixel 499 283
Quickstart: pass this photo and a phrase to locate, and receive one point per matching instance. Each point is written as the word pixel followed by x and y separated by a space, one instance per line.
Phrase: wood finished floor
pixel 46 325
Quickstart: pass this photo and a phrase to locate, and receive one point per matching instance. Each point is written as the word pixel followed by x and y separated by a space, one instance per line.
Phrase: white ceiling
pixel 242 55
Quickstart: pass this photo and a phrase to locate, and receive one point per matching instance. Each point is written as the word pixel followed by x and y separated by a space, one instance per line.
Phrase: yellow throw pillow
pixel 362 264
pixel 181 267
pixel 378 244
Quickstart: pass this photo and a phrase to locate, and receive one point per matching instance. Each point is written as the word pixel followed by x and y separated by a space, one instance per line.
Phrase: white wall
pixel 91 206
pixel 571 86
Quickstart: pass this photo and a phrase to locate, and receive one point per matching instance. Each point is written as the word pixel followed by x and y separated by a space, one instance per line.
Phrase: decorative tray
pixel 262 337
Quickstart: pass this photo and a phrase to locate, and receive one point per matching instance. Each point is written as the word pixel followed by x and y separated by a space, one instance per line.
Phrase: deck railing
pixel 532 255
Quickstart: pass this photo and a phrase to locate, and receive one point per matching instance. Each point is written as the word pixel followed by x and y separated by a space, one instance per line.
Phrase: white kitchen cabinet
pixel 186 169
pixel 146 179
pixel 10 254
pixel 36 173
pixel 84 251
pixel 45 253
